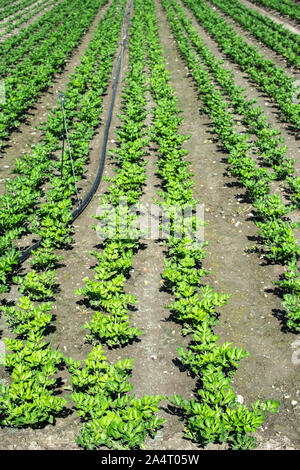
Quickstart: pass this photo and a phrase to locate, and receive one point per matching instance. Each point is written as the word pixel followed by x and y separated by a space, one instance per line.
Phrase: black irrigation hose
pixel 25 255
pixel 62 98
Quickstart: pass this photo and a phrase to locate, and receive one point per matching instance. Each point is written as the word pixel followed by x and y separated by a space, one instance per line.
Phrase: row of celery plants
pixel 275 230
pixel 214 414
pixel 4 3
pixel 287 7
pixel 15 7
pixel 19 212
pixel 267 144
pixel 22 86
pixel 111 417
pixel 114 261
pixel 32 398
pixel 19 19
pixel 271 79
pixel 106 291
pixel 19 14
pixel 263 28
pixel 15 47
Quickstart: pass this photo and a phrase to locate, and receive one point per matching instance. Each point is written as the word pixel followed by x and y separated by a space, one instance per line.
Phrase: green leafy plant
pixel 29 400
pixel 26 318
pixel 38 286
pixel 112 418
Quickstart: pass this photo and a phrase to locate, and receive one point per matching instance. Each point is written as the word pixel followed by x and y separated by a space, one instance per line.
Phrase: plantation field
pixel 123 323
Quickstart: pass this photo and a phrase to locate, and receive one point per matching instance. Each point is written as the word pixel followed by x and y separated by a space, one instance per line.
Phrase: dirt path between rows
pixel 249 320
pixel 27 134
